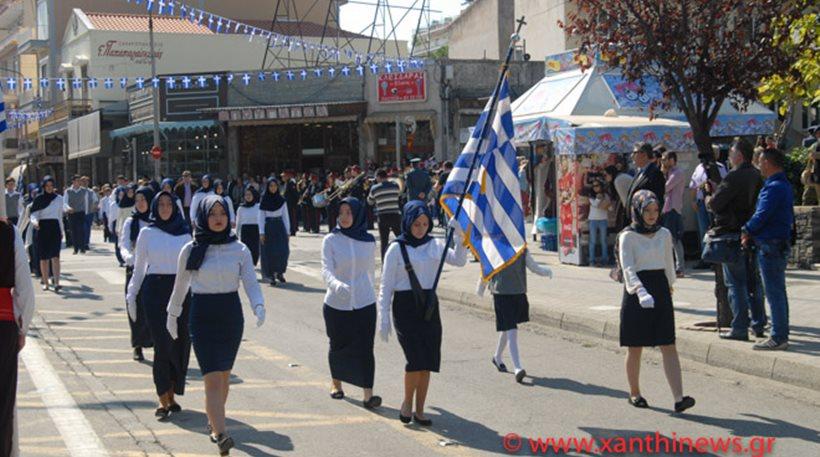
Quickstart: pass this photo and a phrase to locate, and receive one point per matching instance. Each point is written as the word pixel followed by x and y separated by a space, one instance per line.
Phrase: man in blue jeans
pixel 771 230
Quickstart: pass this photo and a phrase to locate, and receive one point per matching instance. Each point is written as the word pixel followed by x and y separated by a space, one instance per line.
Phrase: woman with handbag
pixel 348 268
pixel 647 315
pixel 408 274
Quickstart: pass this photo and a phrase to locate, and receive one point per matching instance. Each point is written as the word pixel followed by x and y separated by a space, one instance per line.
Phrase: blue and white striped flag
pixel 3 124
pixel 492 215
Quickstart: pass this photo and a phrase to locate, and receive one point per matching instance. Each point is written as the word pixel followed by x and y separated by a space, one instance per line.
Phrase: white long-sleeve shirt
pixel 23 293
pixel 349 271
pixel 103 207
pixel 126 246
pixel 424 259
pixel 639 253
pixel 221 270
pixel 54 210
pixel 198 196
pixel 156 253
pixel 596 211
pixel 247 215
pixel 282 212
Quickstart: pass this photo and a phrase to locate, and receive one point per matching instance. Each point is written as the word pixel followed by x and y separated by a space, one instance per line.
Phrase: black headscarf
pixel 44 199
pixel 412 211
pixel 357 230
pixel 204 189
pixel 148 193
pixel 176 225
pixel 218 184
pixel 254 192
pixel 271 201
pixel 640 201
pixel 203 235
pixel 154 186
pixel 125 200
pixel 167 182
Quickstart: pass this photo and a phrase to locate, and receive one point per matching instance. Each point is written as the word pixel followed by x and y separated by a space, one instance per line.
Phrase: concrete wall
pixel 483 30
pixel 542 36
pixel 806 252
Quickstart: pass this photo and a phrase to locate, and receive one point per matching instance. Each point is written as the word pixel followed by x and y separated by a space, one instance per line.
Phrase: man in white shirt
pixel 704 181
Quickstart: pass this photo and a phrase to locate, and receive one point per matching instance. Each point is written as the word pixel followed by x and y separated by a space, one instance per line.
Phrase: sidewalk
pixel 586 301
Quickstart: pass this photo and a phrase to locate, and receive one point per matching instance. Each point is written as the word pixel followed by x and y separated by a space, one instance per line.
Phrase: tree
pixel 703 52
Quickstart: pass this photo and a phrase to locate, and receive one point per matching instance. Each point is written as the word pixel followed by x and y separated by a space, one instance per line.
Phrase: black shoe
pixel 759 333
pixel 138 355
pixel 684 404
pixel 75 252
pixel 281 278
pixel 404 419
pixel 373 402
pixel 225 444
pixel 337 395
pixel 422 422
pixel 638 402
pixel 499 366
pixel 520 375
pixel 162 414
pixel 702 266
pixel 733 336
pixel 175 408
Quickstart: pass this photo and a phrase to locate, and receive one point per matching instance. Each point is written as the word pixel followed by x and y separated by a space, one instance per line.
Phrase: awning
pixel 146 127
pixel 390 117
pixel 84 136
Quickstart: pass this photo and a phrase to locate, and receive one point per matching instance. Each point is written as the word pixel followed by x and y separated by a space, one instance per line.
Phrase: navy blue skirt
pixel 249 236
pixel 276 250
pixel 216 324
pixel 655 326
pixel 171 356
pixel 140 333
pixel 49 239
pixel 351 334
pixel 420 340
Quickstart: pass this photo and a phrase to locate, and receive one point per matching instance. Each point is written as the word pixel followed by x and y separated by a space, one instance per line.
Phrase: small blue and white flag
pixel 492 216
pixel 3 124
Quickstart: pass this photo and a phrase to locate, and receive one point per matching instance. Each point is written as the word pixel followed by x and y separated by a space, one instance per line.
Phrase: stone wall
pixel 806 251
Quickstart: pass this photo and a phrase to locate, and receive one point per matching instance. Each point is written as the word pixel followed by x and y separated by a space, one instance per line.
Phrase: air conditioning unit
pixel 54 147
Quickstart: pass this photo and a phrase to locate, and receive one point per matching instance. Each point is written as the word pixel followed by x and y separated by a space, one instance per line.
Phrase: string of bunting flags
pixel 17 84
pixel 219 24
pixel 17 119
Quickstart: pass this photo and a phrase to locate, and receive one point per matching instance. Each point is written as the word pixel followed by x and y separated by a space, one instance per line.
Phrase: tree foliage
pixel 800 83
pixel 703 52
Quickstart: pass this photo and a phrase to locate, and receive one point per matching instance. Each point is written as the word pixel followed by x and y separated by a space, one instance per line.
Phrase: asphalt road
pixel 80 394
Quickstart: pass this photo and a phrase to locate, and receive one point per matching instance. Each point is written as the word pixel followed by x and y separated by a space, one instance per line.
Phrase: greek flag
pixel 3 124
pixel 492 216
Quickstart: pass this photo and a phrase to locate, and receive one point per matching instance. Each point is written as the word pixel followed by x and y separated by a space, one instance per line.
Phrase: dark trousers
pixel 388 223
pixel 89 222
pixel 8 383
pixel 76 222
pixel 186 211
pixel 311 216
pixel 294 218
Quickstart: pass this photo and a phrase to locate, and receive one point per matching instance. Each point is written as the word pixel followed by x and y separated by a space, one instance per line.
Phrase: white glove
pixel 385 329
pixel 259 312
pixel 645 300
pixel 343 290
pixel 171 326
pixel 132 308
pixel 453 224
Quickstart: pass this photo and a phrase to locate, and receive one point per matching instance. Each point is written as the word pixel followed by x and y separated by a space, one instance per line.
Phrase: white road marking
pixel 115 277
pixel 78 436
pixel 605 308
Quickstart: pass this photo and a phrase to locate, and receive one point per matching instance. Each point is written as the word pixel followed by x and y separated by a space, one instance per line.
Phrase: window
pixel 42 19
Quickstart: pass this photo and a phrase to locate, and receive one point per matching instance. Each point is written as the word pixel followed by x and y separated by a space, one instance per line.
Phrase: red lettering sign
pixel 402 87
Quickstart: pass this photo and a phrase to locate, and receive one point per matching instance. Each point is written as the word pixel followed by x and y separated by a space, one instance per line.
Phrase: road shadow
pixel 608 441
pixel 297 287
pixel 253 442
pixel 195 374
pixel 762 426
pixel 572 385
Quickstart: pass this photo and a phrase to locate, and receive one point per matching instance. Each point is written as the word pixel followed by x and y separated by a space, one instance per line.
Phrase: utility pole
pixel 154 93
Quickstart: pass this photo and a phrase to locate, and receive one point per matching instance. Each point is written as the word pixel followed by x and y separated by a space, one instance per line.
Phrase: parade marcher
pixel 77 206
pixel 185 191
pixel 385 196
pixel 16 311
pixel 311 213
pixel 140 218
pixel 167 185
pixel 219 189
pixel 408 273
pixel 113 214
pixel 93 200
pixel 247 221
pixel 27 230
pixel 102 211
pixel 274 232
pixel 155 266
pixel 509 289
pixel 124 208
pixel 647 314
pixel 14 201
pixel 332 208
pixel 47 218
pixel 349 271
pixel 212 266
pixel 206 189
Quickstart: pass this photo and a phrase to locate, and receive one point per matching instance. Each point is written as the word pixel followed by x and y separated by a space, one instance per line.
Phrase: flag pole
pixel 484 130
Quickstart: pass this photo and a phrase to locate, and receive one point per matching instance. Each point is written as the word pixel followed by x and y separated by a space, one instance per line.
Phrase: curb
pixel 761 364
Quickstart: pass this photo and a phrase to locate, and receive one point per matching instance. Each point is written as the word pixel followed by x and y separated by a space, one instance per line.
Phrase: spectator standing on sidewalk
pixel 385 197
pixel 771 230
pixel 707 175
pixel 648 176
pixel 733 204
pixel 672 214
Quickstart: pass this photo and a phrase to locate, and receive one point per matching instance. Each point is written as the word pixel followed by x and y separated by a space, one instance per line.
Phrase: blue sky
pixel 356 17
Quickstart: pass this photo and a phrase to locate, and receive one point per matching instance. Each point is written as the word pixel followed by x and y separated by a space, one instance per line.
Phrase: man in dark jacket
pixel 732 204
pixel 292 199
pixel 418 182
pixel 185 190
pixel 648 176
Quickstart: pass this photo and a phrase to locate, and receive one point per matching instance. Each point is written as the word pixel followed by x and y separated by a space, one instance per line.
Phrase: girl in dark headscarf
pixel 247 221
pixel 274 232
pixel 27 230
pixel 211 267
pixel 155 265
pixel 414 303
pixel 647 315
pixel 206 188
pixel 168 186
pixel 47 219
pixel 219 189
pixel 140 218
pixel 348 268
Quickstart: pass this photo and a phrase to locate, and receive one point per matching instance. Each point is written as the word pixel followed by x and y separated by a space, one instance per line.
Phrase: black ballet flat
pixel 638 402
pixel 684 404
pixel 138 354
pixel 404 419
pixel 373 402
pixel 162 414
pixel 499 366
pixel 338 395
pixel 175 408
pixel 225 444
pixel 281 278
pixel 422 422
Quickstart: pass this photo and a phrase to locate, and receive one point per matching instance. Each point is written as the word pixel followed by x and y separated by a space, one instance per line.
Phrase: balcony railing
pixel 66 110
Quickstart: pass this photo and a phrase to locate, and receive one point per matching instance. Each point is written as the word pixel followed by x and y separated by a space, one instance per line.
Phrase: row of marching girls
pixel 187 292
